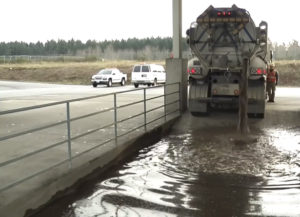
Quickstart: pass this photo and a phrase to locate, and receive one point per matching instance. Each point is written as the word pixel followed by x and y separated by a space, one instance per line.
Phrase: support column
pixel 177 28
pixel 176 67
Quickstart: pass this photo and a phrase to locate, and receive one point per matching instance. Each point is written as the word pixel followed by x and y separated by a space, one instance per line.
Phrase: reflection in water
pixel 192 175
pixel 148 186
pixel 286 140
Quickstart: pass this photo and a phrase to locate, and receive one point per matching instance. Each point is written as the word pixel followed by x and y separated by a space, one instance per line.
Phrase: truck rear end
pixel 220 39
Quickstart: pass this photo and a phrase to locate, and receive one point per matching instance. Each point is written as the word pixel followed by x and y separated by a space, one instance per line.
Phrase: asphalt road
pixel 21 94
pixel 10 90
pixel 19 90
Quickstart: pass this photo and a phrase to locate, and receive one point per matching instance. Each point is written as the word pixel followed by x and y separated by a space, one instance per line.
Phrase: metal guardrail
pixel 68 121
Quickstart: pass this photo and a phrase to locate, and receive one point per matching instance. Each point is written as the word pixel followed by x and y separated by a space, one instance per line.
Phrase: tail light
pixel 193 70
pixel 224 13
pixel 259 71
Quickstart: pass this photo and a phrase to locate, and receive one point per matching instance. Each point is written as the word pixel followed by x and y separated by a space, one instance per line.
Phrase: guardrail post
pixel 165 102
pixel 115 118
pixel 145 111
pixel 69 135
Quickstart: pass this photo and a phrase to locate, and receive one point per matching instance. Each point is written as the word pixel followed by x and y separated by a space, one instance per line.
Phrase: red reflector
pixel 265 71
pixel 258 71
pixel 193 71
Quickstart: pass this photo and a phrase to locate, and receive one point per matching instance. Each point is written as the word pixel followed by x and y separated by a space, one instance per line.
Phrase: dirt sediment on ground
pixel 214 146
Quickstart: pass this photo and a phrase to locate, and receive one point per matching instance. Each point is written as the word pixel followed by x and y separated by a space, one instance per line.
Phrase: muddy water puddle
pixel 211 173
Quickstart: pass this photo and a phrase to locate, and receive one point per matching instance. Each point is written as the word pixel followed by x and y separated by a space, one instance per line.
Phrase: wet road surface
pixel 203 168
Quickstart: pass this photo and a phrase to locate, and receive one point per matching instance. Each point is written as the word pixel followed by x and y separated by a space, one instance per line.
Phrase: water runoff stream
pixel 200 169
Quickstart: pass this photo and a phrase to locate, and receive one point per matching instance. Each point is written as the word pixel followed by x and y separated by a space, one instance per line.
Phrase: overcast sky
pixel 42 20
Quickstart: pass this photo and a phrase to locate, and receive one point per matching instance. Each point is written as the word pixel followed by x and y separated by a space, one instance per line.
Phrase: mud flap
pixel 256 98
pixel 198 91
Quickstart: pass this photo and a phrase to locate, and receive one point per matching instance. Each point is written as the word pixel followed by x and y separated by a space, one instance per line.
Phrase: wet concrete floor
pixel 203 168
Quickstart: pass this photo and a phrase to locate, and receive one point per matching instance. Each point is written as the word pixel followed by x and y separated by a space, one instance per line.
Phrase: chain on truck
pixel 220 39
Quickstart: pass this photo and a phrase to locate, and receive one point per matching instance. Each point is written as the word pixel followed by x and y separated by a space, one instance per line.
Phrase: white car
pixel 148 74
pixel 109 77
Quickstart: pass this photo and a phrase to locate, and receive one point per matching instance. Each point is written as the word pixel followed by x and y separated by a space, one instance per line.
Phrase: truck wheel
pixel 260 115
pixel 155 82
pixel 199 114
pixel 123 82
pixel 256 115
pixel 198 91
pixel 136 85
pixel 109 83
pixel 95 84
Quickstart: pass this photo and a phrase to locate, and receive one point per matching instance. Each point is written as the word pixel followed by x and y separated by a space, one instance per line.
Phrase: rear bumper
pixel 218 100
pixel 99 81
pixel 224 100
pixel 142 82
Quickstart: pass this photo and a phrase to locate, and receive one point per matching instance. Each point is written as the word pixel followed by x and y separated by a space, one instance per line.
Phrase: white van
pixel 148 74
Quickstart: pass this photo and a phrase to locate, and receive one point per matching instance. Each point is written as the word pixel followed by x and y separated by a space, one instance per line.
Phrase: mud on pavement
pixel 215 146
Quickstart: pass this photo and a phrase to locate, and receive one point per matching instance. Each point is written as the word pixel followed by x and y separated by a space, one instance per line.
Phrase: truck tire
pixel 136 85
pixel 256 92
pixel 198 91
pixel 261 115
pixel 95 84
pixel 256 115
pixel 155 82
pixel 123 82
pixel 202 113
pixel 109 83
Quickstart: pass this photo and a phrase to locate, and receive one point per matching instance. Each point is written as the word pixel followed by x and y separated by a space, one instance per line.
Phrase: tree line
pixel 133 48
pixel 284 51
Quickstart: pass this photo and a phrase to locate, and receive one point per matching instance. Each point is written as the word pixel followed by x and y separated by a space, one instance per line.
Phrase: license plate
pixel 225 89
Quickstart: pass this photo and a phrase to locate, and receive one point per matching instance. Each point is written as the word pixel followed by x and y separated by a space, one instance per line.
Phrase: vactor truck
pixel 220 40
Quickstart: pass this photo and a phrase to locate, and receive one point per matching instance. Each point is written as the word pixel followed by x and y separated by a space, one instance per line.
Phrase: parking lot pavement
pixel 19 95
